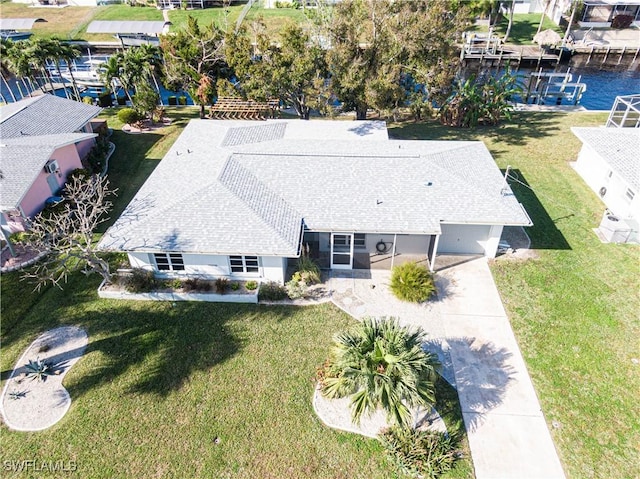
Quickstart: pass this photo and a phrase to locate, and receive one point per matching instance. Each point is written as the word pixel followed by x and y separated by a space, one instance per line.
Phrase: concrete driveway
pixel 469 328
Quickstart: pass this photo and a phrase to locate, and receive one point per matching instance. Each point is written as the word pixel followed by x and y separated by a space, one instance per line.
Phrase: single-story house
pixel 608 163
pixel 42 139
pixel 242 198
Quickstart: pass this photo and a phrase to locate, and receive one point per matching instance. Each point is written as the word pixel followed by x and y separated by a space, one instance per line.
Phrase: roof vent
pixel 428 183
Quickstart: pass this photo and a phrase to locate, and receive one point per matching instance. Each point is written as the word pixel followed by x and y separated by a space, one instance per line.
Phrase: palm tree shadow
pixel 483 374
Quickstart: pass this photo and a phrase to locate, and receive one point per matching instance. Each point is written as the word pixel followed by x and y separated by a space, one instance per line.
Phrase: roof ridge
pixel 276 212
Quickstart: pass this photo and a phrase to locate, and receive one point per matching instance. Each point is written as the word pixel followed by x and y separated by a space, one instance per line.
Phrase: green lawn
pixel 71 23
pixel 575 308
pixel 136 156
pixel 63 23
pixel 524 27
pixel 160 381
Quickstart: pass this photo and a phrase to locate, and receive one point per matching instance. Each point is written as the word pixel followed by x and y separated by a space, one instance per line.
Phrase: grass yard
pixel 71 23
pixel 524 27
pixel 574 309
pixel 136 156
pixel 64 23
pixel 223 17
pixel 160 381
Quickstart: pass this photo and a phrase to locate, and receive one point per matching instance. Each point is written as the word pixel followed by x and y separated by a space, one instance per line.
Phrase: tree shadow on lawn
pixel 523 126
pixel 544 233
pixel 159 344
pixel 129 168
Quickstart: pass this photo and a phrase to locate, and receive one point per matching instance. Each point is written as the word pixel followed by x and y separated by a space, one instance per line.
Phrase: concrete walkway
pixel 468 327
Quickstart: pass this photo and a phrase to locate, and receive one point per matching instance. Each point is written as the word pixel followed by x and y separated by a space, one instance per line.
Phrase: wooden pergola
pixel 239 109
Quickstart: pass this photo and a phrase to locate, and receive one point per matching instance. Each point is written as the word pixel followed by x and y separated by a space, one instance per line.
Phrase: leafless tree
pixel 66 233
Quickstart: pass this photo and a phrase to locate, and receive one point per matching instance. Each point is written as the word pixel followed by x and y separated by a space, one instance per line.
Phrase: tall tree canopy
pixel 191 54
pixel 290 68
pixel 377 44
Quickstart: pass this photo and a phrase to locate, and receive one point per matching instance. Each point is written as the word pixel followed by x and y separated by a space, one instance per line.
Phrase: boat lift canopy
pixel 19 23
pixel 135 27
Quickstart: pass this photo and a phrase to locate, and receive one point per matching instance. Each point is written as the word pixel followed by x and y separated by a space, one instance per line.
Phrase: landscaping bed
pixel 168 293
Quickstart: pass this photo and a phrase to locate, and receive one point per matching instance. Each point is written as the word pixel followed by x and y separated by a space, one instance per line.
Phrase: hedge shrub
pixel 128 116
pixel 412 282
pixel 426 454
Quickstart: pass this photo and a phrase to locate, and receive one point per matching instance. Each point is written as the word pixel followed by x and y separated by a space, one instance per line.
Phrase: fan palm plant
pixel 381 365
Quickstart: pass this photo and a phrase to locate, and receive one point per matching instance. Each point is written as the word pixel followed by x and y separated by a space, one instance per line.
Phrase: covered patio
pixel 367 250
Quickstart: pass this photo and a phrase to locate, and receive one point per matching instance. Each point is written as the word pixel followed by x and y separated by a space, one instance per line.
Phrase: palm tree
pixel 131 68
pixel 54 50
pixel 110 71
pixel 381 364
pixel 69 53
pixel 38 51
pixel 19 63
pixel 511 10
pixel 5 70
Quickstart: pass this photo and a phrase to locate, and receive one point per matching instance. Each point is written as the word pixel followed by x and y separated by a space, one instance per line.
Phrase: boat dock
pixel 511 53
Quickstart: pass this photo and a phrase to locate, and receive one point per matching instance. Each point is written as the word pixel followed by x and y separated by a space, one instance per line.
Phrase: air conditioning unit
pixel 613 228
pixel 51 167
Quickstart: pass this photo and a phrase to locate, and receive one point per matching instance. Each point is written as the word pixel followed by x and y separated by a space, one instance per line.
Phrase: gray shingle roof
pixel 274 211
pixel 249 198
pixel 22 159
pixel 254 134
pixel 44 115
pixel 619 147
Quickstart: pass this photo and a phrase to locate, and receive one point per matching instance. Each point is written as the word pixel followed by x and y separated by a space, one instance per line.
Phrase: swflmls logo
pixel 33 465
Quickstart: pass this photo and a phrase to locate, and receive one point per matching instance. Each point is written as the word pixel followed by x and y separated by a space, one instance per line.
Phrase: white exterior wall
pixel 140 260
pixel 491 245
pixel 466 239
pixel 272 268
pixel 527 6
pixel 595 172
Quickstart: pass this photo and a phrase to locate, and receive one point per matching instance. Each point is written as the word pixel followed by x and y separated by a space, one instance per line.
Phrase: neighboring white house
pixel 609 162
pixel 241 198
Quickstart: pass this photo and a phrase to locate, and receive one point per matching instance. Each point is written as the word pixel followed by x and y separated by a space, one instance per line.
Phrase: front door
pixel 341 250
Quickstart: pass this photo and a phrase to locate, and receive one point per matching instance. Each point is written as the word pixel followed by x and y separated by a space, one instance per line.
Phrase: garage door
pixel 463 239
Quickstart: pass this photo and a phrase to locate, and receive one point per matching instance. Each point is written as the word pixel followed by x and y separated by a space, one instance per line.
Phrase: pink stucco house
pixel 42 139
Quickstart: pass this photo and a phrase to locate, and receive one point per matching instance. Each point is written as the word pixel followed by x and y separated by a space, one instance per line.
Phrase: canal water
pixel 602 87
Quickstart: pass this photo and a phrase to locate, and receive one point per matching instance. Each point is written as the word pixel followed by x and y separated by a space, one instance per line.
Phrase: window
pixel 359 240
pixel 244 264
pixel 169 261
pixel 630 194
